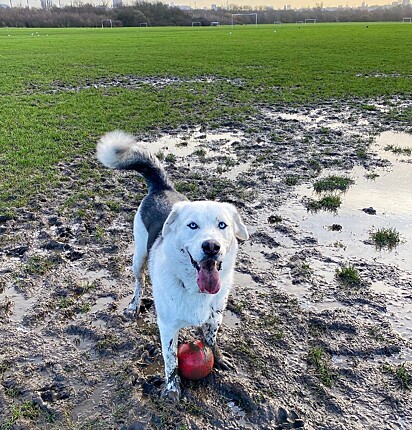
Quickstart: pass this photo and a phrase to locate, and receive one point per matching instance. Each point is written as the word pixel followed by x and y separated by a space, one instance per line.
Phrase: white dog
pixel 191 247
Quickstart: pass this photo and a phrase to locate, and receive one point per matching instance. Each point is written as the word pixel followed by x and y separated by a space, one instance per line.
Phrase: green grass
pixel 41 125
pixel 385 238
pixel 318 358
pixel 348 276
pixel 398 150
pixel 401 373
pixel 333 183
pixel 326 203
pixel 27 410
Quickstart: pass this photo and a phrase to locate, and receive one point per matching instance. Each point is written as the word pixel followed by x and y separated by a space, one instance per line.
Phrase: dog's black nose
pixel 210 247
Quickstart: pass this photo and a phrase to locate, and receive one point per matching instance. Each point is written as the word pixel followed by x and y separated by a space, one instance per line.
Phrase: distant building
pixel 46 4
pixel 117 3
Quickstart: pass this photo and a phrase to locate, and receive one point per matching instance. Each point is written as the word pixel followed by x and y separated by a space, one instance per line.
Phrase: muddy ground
pixel 69 359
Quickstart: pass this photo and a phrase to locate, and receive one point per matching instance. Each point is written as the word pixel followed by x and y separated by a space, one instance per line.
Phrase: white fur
pixel 116 148
pixel 178 300
pixel 110 144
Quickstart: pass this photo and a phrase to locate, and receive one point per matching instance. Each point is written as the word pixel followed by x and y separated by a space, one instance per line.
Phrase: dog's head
pixel 205 232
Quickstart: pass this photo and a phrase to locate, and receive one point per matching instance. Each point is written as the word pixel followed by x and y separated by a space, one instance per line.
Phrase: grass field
pixel 42 121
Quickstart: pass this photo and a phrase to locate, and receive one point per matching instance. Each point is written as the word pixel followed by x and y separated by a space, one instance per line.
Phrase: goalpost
pixel 310 21
pixel 196 24
pixel 245 14
pixel 215 24
pixel 406 19
pixel 143 24
pixel 108 21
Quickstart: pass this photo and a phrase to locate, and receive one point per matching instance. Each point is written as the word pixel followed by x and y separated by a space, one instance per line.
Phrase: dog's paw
pixel 171 389
pixel 131 312
pixel 170 396
pixel 223 362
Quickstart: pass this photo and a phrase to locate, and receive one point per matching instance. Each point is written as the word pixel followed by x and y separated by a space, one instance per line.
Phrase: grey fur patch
pixel 155 208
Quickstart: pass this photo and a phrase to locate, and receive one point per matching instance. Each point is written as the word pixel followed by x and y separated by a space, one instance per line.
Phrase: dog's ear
pixel 171 219
pixel 240 228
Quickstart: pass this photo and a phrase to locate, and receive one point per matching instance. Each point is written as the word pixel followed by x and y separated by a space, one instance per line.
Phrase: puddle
pixel 245 280
pixel 231 319
pixel 390 195
pixel 193 146
pixel 82 343
pixel 399 306
pixel 101 303
pixel 196 143
pixel 84 410
pixel 303 292
pixel 99 323
pixel 153 369
pixel 260 255
pixel 124 303
pixel 316 118
pixel 88 277
pixel 235 171
pixel 21 304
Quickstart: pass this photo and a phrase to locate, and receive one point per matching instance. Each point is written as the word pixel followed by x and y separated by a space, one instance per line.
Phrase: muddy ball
pixel 195 360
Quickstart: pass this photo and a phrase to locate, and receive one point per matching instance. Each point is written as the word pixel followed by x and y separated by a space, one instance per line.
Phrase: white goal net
pixel 244 18
pixel 107 23
pixel 310 21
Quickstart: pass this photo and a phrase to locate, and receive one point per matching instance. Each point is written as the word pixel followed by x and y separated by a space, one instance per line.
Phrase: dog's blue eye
pixel 193 225
pixel 222 225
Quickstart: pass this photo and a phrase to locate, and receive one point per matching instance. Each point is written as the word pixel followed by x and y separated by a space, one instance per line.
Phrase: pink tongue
pixel 208 279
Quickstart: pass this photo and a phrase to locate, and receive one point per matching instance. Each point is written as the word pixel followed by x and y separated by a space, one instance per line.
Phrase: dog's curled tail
pixel 120 150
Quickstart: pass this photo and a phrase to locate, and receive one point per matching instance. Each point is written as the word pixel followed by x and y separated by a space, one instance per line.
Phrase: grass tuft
pixel 333 183
pixel 385 238
pixel 327 203
pixel 318 358
pixel 27 410
pixel 402 375
pixel 398 150
pixel 348 276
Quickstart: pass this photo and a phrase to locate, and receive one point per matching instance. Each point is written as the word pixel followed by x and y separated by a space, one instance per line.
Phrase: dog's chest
pixel 194 311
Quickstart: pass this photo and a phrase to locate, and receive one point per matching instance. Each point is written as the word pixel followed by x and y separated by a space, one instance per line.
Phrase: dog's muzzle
pixel 208 279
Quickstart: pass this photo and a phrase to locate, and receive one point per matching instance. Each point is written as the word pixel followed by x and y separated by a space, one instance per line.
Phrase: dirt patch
pixel 130 83
pixel 310 352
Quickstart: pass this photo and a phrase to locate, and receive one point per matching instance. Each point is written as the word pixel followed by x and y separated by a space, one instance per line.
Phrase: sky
pixel 276 4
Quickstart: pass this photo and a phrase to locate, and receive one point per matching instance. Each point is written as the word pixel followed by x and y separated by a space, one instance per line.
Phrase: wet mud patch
pixel 129 82
pixel 308 350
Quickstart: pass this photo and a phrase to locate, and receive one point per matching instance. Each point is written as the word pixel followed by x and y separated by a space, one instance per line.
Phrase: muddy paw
pixel 170 395
pixel 223 362
pixel 171 389
pixel 131 312
pixel 288 420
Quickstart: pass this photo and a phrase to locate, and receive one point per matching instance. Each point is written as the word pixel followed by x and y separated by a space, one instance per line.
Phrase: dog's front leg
pixel 169 337
pixel 210 329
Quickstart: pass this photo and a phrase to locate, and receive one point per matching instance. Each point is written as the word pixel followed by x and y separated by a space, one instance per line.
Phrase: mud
pixel 308 351
pixel 129 82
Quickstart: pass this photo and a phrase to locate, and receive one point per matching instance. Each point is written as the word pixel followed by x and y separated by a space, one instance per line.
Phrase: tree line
pixel 160 14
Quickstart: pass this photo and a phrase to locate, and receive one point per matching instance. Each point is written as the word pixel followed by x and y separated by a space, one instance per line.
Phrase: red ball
pixel 195 360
